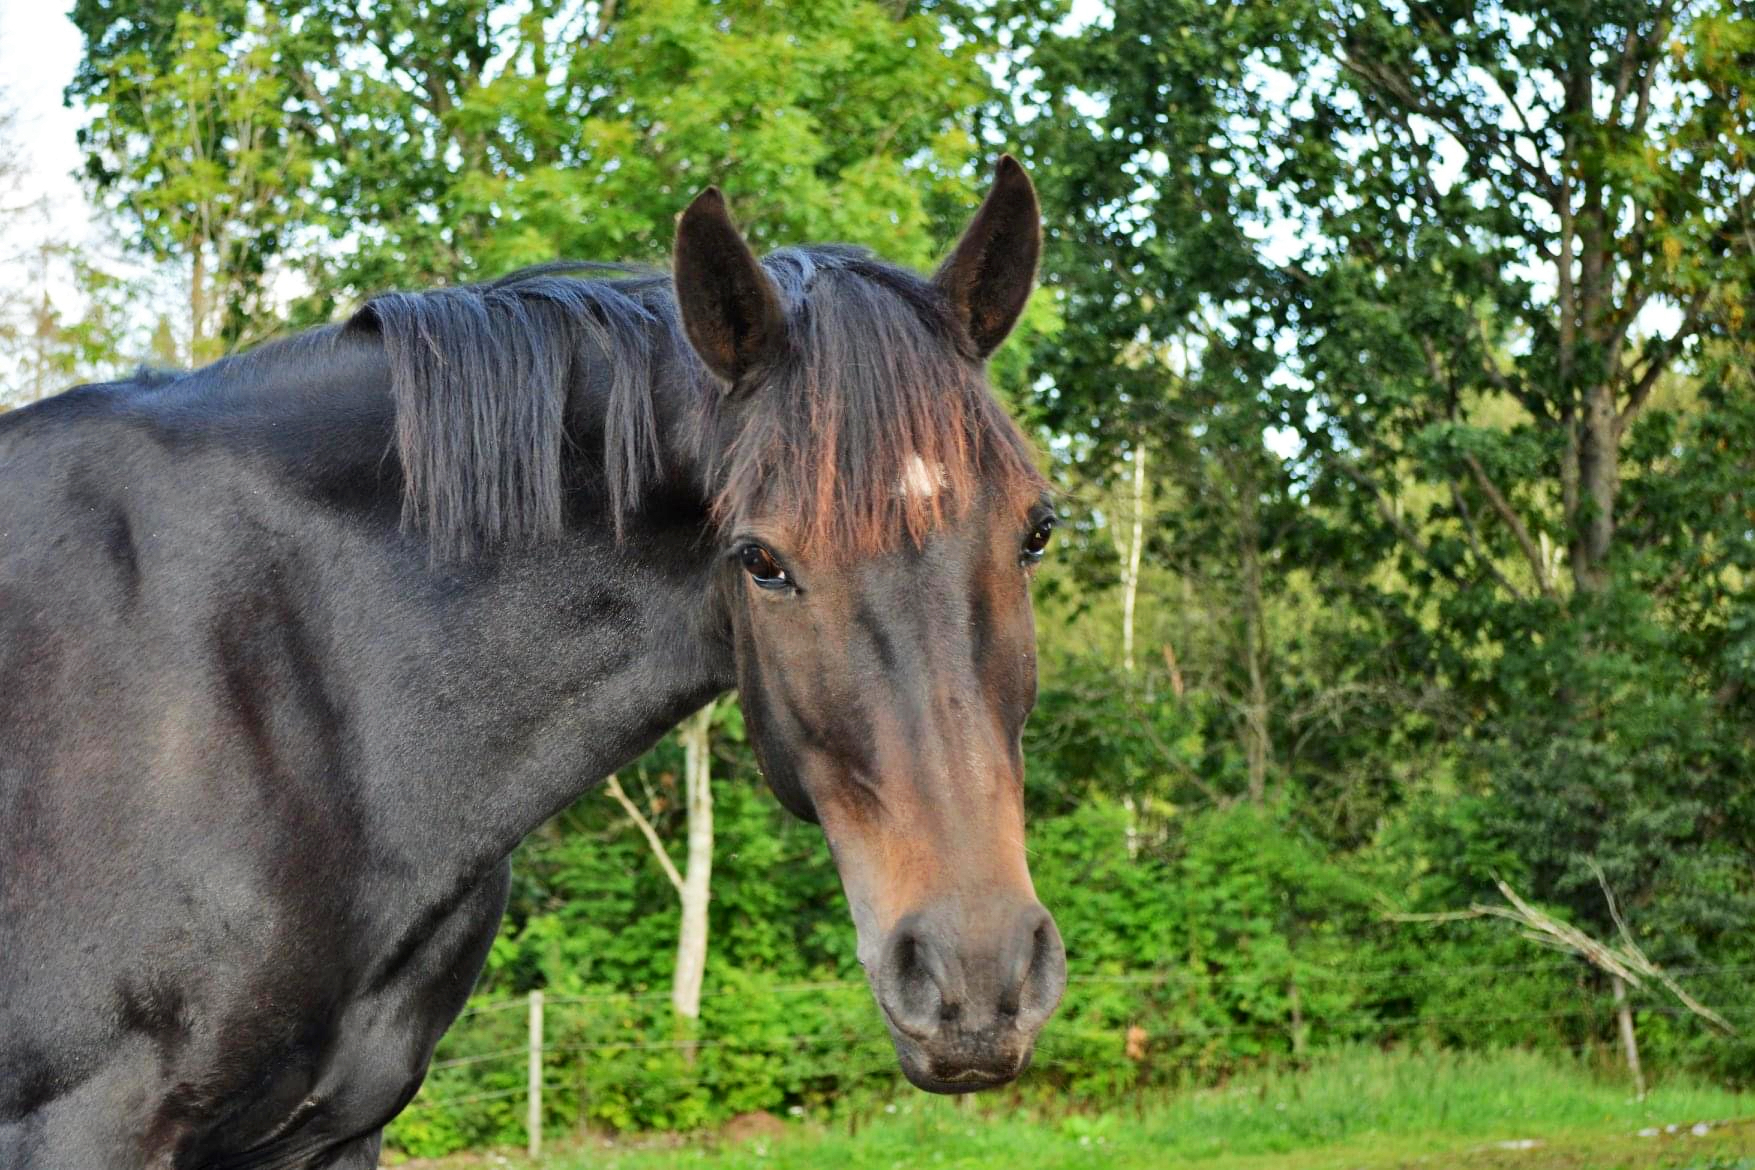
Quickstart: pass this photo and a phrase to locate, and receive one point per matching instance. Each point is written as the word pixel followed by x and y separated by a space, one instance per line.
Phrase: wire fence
pixel 514 1067
pixel 1153 978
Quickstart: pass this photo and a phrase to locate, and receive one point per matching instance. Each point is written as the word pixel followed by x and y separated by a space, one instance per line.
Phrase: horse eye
pixel 763 569
pixel 1037 541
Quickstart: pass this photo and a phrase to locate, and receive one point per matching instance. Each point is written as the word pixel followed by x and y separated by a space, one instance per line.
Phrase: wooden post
pixel 1629 1040
pixel 533 1118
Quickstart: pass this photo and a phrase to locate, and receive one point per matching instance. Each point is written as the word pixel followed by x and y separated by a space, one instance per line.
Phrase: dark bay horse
pixel 296 648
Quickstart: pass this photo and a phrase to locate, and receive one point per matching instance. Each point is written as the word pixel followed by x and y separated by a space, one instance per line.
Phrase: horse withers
pixel 294 649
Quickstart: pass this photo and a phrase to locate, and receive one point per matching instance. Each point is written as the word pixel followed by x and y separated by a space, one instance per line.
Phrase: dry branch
pixel 1625 962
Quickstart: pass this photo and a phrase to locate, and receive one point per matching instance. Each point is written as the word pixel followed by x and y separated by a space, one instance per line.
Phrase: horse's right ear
pixel 730 308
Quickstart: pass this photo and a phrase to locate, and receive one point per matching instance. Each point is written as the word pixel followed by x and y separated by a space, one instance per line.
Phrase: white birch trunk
pixel 1130 575
pixel 696 889
pixel 693 884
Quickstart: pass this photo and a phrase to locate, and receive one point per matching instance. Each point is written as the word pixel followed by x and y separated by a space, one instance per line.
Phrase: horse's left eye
pixel 1037 542
pixel 763 569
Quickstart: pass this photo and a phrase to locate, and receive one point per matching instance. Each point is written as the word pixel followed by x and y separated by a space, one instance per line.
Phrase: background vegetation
pixel 1354 1110
pixel 1393 364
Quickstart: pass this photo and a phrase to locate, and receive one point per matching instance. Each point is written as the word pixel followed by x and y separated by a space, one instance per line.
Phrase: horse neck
pixel 471 702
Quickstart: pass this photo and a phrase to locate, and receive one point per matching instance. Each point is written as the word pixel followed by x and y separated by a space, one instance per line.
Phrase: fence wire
pixel 579 1030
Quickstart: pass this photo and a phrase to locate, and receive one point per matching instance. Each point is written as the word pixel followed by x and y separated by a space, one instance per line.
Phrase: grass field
pixel 1365 1111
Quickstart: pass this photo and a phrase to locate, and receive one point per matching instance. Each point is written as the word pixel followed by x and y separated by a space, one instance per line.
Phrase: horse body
pixel 295 649
pixel 258 875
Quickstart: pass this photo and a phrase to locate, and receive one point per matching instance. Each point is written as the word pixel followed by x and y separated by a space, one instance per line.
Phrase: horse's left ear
pixel 988 277
pixel 730 308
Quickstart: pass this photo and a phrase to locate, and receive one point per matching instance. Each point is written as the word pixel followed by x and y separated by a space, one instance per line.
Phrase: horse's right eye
pixel 763 569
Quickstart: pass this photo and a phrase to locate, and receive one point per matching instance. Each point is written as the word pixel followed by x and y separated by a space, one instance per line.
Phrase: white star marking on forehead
pixel 921 478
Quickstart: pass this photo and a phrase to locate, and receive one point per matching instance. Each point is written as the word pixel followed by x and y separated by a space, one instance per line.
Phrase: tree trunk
pixel 1255 715
pixel 696 888
pixel 693 884
pixel 1130 588
pixel 1130 574
pixel 40 323
pixel 1629 1041
pixel 42 329
pixel 1177 687
pixel 1598 483
pixel 197 303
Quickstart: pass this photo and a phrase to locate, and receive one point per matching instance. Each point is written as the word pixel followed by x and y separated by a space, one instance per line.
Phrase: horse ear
pixel 989 275
pixel 730 307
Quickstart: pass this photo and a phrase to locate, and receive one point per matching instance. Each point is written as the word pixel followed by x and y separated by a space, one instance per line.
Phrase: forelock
pixel 875 429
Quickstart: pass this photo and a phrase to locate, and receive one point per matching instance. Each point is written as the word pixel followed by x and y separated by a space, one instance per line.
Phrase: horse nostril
pixel 912 984
pixel 1035 971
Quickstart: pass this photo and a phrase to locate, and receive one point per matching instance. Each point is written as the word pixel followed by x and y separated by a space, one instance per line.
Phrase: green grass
pixel 1361 1110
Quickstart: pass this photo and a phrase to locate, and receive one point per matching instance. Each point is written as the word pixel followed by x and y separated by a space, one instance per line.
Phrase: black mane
pixel 875 388
pixel 480 376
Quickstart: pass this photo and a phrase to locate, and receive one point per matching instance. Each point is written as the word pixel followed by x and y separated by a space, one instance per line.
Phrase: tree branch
pixel 1468 519
pixel 1624 72
pixel 1653 45
pixel 1401 527
pixel 1537 141
pixel 1513 521
pixel 1170 757
pixel 605 18
pixel 1389 85
pixel 1625 962
pixel 1660 361
pixel 1500 382
pixel 614 788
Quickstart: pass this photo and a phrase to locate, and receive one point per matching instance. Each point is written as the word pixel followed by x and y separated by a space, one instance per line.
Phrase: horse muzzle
pixel 965 987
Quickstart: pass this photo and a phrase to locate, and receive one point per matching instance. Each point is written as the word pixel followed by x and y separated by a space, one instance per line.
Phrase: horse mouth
pixel 922 1075
pixel 959 1073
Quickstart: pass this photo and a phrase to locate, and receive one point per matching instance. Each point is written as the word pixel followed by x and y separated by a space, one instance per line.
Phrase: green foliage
pixel 470 140
pixel 195 146
pixel 1230 942
pixel 1416 249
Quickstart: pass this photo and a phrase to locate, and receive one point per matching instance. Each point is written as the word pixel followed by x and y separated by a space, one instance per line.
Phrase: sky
pixel 39 49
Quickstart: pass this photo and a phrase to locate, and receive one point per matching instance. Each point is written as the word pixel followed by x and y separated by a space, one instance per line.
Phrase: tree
pixel 194 146
pixel 1157 356
pixel 1487 265
pixel 1525 185
pixel 19 309
pixel 1491 344
pixel 44 348
pixel 464 141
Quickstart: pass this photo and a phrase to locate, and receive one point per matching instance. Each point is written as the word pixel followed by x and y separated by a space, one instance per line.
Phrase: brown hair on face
pixel 871 396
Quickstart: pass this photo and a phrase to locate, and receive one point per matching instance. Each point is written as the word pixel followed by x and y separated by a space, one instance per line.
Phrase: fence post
pixel 533 1118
